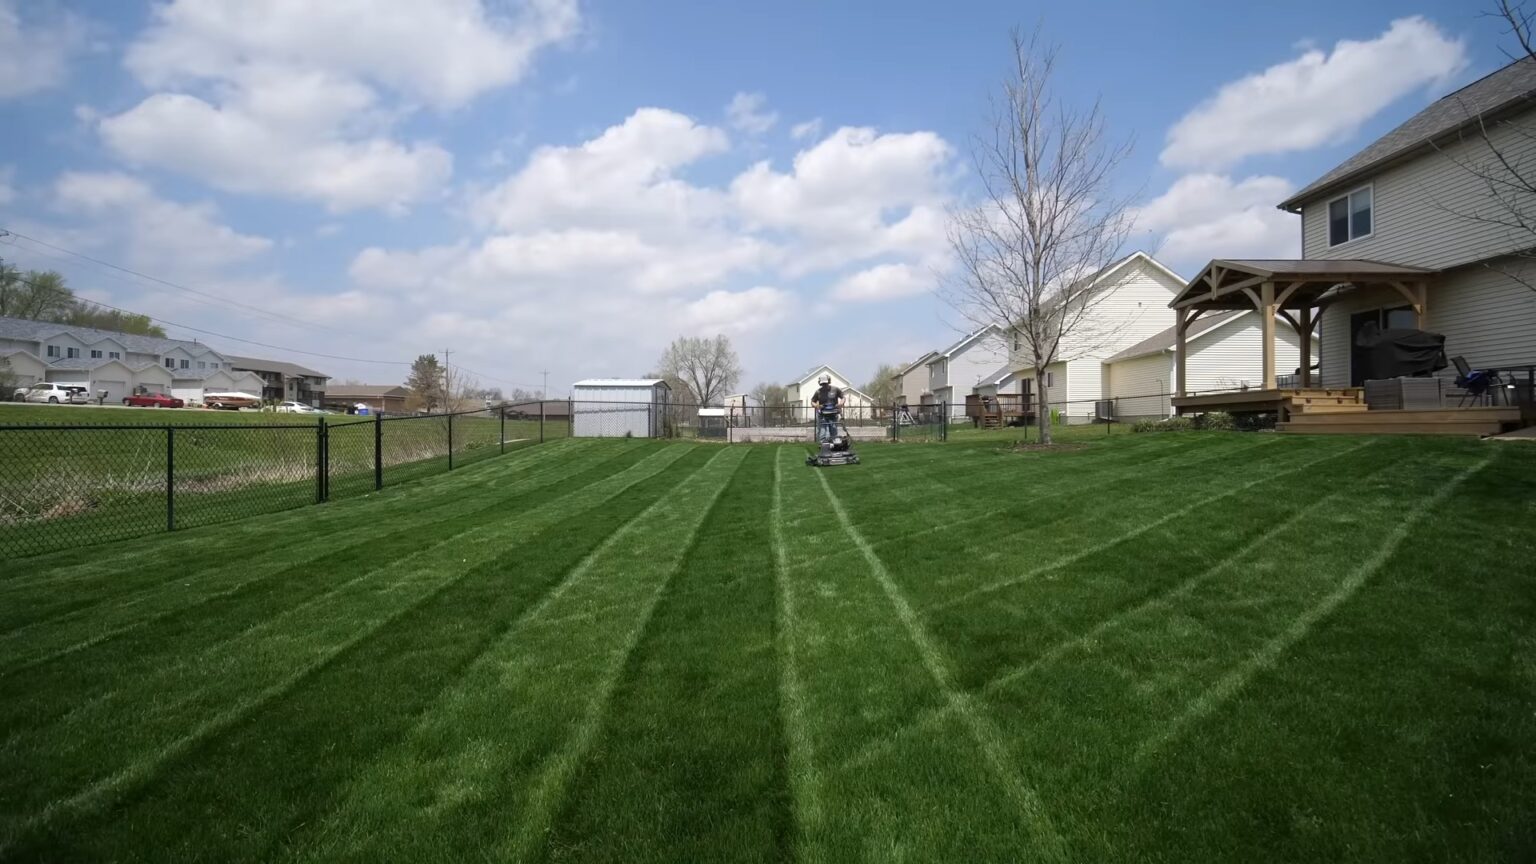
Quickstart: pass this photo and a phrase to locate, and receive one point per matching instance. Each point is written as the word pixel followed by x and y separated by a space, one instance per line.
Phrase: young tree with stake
pixel 1048 221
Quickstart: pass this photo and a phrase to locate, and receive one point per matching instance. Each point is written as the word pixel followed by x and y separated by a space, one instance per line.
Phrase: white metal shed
pixel 619 408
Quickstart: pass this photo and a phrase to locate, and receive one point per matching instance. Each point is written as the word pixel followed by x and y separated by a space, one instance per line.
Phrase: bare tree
pixel 708 368
pixel 1048 222
pixel 1498 160
pixel 884 389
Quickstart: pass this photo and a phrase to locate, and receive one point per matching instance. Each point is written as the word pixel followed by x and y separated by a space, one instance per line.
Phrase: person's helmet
pixel 824 379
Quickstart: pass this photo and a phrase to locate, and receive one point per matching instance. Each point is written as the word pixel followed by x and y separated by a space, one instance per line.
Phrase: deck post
pixel 1421 308
pixel 1181 324
pixel 1304 344
pixel 1267 315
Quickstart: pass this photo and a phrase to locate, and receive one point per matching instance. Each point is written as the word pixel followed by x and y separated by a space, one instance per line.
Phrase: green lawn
pixel 1173 647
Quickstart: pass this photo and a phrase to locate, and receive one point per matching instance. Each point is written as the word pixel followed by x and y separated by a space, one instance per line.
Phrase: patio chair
pixel 1475 384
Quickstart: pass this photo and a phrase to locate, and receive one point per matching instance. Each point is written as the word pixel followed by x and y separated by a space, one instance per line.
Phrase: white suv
pixel 58 394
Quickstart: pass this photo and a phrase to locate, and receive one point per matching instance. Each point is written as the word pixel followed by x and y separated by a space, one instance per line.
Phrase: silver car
pixel 57 394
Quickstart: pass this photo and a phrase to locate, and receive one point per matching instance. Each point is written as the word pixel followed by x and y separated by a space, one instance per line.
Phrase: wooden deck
pixel 1479 422
pixel 1286 403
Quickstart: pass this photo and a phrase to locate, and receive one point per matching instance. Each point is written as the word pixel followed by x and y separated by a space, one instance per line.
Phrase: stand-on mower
pixel 836 444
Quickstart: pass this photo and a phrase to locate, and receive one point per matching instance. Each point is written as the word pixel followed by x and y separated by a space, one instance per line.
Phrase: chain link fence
pixel 67 485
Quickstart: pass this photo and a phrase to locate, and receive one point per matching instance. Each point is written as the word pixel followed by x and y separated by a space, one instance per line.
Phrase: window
pixel 95 354
pixel 202 365
pixel 53 350
pixel 185 364
pixel 1349 217
pixel 1050 380
pixel 170 363
pixel 72 353
pixel 114 355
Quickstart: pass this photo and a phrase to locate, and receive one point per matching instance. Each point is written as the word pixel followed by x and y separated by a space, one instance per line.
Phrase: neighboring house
pixel 547 409
pixel 1130 306
pixel 285 382
pixel 1405 200
pixel 956 371
pixel 912 380
pixel 1223 354
pixel 380 398
pixel 113 365
pixel 856 403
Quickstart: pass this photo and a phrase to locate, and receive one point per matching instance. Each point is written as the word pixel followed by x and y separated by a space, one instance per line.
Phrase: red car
pixel 153 400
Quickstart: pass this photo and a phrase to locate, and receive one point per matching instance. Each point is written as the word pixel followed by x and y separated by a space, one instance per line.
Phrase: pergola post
pixel 1421 308
pixel 1267 316
pixel 1304 343
pixel 1181 323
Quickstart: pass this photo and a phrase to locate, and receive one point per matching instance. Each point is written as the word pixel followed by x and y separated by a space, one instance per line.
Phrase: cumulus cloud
pixel 35 53
pixel 883 282
pixel 737 312
pixel 299 99
pixel 157 235
pixel 1205 216
pixel 1316 99
pixel 748 113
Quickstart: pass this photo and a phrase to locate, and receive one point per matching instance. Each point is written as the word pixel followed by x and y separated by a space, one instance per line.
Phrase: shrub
pixel 1255 422
pixel 1215 420
pixel 1055 416
pixel 1172 424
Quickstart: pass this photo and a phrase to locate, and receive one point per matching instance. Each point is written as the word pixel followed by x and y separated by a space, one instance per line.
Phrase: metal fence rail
pixel 68 485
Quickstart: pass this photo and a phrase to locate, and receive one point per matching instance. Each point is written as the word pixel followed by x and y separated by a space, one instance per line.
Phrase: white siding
pixel 1485 315
pixel 1137 382
pixel 1418 208
pixel 800 392
pixel 982 357
pixel 26 369
pixel 1233 354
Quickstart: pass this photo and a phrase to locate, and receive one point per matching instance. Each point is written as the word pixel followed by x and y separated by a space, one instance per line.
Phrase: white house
pixel 117 363
pixel 912 380
pixel 619 408
pixel 1130 306
pixel 856 403
pixel 1224 354
pixel 955 372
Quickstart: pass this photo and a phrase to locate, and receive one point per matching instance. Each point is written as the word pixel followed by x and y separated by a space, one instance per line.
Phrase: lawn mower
pixel 836 445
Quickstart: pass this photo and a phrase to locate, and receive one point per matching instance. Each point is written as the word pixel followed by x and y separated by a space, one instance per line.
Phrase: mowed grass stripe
pixel 361 548
pixel 124 737
pixel 190 547
pixel 1042 835
pixel 491 756
pixel 694 720
pixel 34 696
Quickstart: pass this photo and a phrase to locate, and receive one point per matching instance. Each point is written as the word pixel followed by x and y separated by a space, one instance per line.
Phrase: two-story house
pixel 285 382
pixel 912 380
pixel 112 365
pixel 1404 234
pixel 856 402
pixel 955 372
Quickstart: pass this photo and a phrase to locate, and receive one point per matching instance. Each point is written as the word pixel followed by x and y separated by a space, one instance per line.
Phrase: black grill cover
pixel 1402 353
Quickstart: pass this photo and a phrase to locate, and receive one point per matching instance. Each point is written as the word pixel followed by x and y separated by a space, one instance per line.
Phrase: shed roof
pixel 1492 94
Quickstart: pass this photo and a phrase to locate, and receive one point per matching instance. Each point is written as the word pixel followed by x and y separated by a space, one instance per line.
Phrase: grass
pixel 1166 648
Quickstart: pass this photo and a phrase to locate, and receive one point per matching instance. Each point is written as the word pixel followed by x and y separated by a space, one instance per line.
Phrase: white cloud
pixel 34 55
pixel 883 282
pixel 299 100
pixel 808 129
pixel 737 312
pixel 748 113
pixel 157 235
pixel 1205 216
pixel 1315 99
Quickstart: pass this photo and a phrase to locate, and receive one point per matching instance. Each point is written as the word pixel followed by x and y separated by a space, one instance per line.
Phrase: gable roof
pixel 342 391
pixel 967 341
pixel 1166 339
pixel 997 376
pixel 810 373
pixel 41 331
pixel 1136 257
pixel 256 364
pixel 921 361
pixel 1492 94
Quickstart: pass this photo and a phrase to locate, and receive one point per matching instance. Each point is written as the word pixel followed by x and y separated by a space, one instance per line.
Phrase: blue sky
pixel 567 186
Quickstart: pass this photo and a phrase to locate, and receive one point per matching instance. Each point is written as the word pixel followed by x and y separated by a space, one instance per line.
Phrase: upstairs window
pixel 185 364
pixel 72 353
pixel 1349 217
pixel 95 354
pixel 53 350
pixel 114 355
pixel 170 362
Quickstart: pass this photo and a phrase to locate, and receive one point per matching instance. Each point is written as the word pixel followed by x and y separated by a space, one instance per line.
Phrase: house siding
pixel 1484 312
pixel 1418 208
pixel 1232 355
pixel 1138 384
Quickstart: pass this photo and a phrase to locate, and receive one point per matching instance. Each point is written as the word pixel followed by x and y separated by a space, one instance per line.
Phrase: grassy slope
pixel 1170 647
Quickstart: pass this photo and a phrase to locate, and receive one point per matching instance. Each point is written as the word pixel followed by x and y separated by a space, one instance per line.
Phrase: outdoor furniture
pixel 1476 384
pixel 1404 394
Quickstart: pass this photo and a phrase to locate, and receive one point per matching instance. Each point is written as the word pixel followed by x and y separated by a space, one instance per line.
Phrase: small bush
pixel 1255 422
pixel 1172 424
pixel 1216 421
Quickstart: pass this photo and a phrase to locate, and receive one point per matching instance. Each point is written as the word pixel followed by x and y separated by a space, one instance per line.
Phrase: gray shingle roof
pixel 1164 340
pixel 1490 94
pixel 342 391
pixel 40 331
pixel 256 364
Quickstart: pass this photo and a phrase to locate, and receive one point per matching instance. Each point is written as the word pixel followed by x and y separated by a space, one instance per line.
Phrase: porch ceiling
pixel 1299 283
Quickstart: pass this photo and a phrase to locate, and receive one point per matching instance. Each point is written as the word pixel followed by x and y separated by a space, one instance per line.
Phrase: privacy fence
pixel 64 485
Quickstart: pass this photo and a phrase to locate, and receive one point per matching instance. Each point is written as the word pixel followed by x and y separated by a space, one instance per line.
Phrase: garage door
pixel 116 390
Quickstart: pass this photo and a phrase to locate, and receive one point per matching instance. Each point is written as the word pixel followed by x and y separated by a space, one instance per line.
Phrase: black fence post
pixel 450 441
pixel 322 461
pixel 541 421
pixel 170 478
pixel 943 421
pixel 378 451
pixel 503 410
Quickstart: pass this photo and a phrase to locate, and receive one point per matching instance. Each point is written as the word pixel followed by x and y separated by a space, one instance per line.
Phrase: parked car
pixel 50 392
pixel 231 401
pixel 296 408
pixel 153 400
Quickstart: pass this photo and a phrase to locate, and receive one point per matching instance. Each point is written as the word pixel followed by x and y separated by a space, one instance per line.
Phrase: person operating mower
pixel 836 445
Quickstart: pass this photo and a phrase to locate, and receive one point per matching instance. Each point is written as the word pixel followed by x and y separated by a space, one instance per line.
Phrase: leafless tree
pixel 883 388
pixel 1495 154
pixel 708 368
pixel 1047 223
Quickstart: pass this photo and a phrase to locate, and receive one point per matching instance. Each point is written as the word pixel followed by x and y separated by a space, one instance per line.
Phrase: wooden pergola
pixel 1296 290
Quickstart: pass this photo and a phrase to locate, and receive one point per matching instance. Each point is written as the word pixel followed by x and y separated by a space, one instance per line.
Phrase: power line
pixel 5 232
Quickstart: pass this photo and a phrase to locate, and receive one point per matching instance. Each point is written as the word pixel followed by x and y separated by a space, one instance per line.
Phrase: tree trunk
pixel 1043 412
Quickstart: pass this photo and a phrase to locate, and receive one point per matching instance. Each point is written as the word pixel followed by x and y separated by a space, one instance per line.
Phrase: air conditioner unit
pixel 1104 409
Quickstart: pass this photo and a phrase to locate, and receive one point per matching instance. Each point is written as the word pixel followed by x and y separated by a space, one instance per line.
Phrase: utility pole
pixel 544 391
